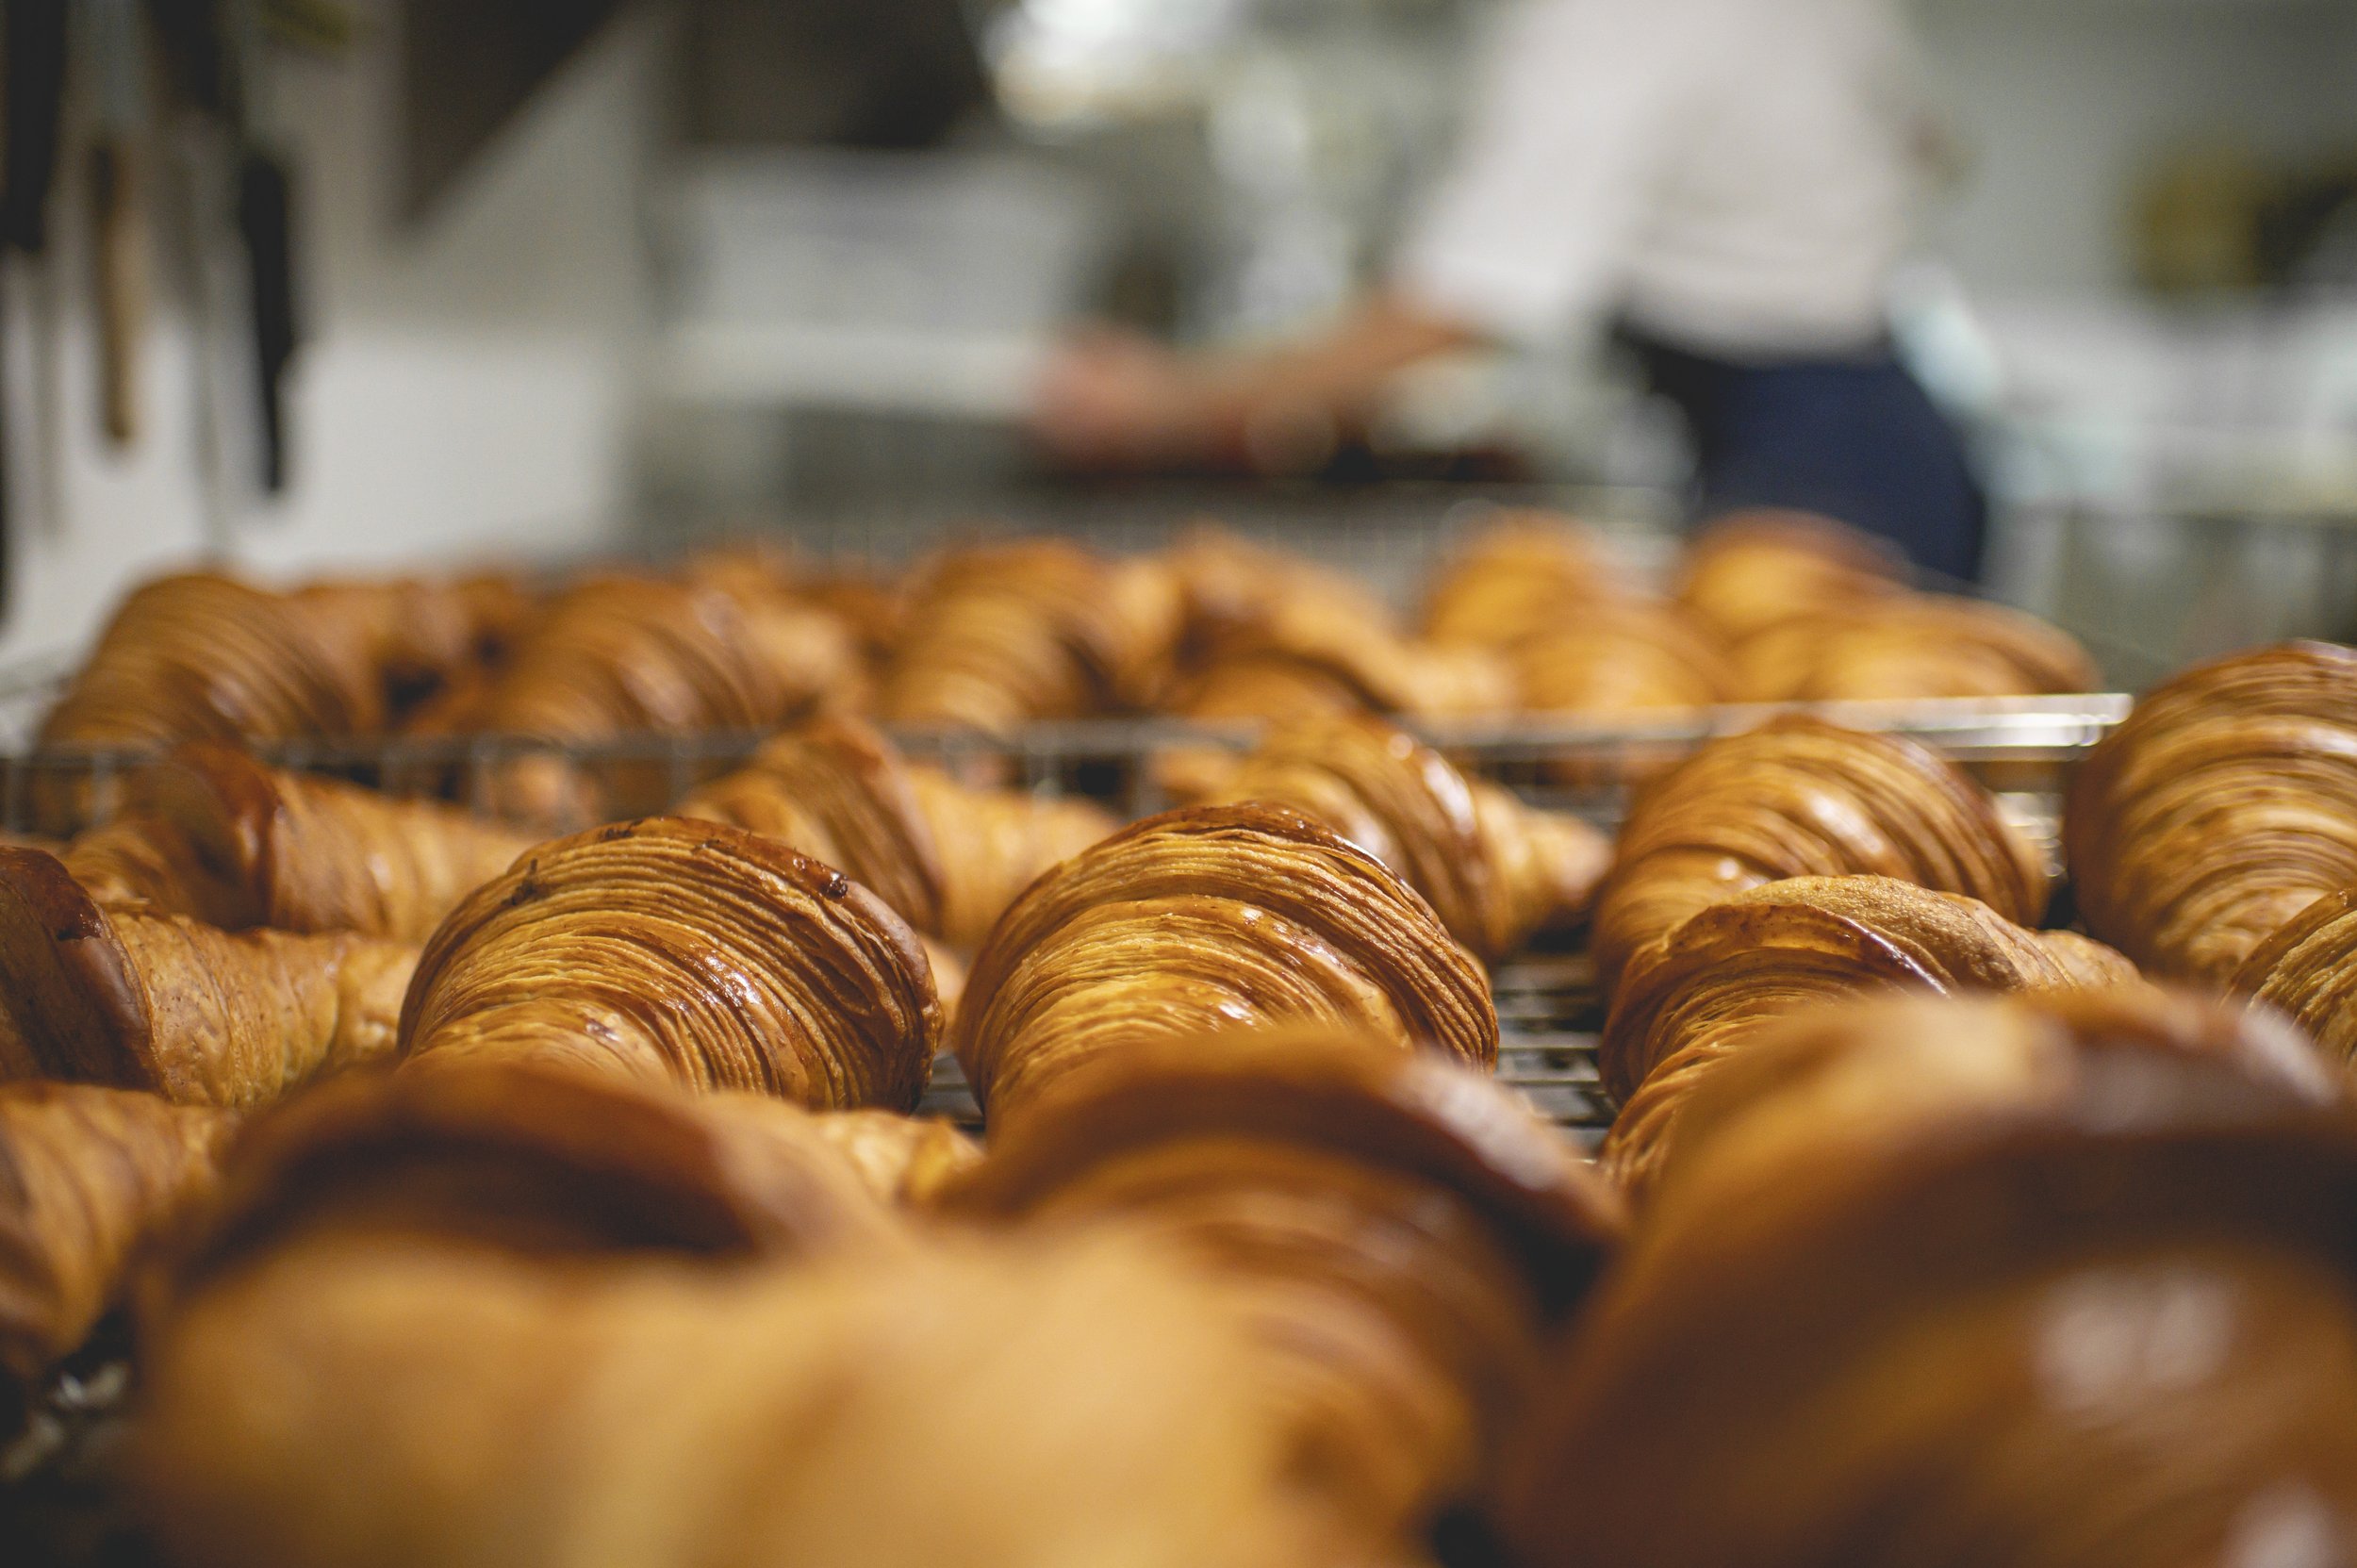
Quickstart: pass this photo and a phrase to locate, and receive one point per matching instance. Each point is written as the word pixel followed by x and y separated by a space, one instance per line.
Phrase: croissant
pixel 995 843
pixel 619 655
pixel 541 1162
pixel 87 1174
pixel 687 951
pixel 839 792
pixel 1494 870
pixel 1518 577
pixel 1692 999
pixel 359 1406
pixel 211 834
pixel 1910 645
pixel 907 1161
pixel 200 1015
pixel 1801 798
pixel 2222 807
pixel 1401 1232
pixel 2301 970
pixel 419 634
pixel 1035 629
pixel 1304 654
pixel 1751 570
pixel 203 655
pixel 1211 917
pixel 2085 1324
pixel 1621 659
pixel 1878 1073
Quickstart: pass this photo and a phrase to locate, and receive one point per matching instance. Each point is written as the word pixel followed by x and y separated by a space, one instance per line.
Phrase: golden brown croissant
pixel 1230 586
pixel 1620 659
pixel 995 843
pixel 1520 576
pixel 211 834
pixel 1912 645
pixel 2304 969
pixel 1695 996
pixel 687 951
pixel 1400 1232
pixel 1207 918
pixel 1802 798
pixel 2224 806
pixel 418 633
pixel 948 858
pixel 1494 870
pixel 840 793
pixel 1305 652
pixel 1751 570
pixel 618 655
pixel 1035 629
pixel 2082 1327
pixel 1879 1072
pixel 910 1161
pixel 541 1161
pixel 357 1406
pixel 203 655
pixel 200 1015
pixel 87 1174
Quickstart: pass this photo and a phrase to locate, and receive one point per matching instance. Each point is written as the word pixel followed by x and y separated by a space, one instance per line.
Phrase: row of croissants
pixel 470 1197
pixel 991 636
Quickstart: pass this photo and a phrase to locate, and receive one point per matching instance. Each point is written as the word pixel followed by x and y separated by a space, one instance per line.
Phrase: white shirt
pixel 1738 177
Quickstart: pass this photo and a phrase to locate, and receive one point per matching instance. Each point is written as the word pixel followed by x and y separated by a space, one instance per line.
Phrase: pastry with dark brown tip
pixel 89 1176
pixel 1402 1233
pixel 2108 1314
pixel 1494 870
pixel 199 1015
pixel 1799 797
pixel 1696 998
pixel 686 951
pixel 212 833
pixel 1208 919
pixel 2222 806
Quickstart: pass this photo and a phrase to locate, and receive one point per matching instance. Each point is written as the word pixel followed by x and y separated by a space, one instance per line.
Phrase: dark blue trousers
pixel 1855 439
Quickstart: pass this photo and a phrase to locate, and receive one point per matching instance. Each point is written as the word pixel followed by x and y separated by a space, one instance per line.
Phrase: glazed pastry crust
pixel 1240 916
pixel 691 952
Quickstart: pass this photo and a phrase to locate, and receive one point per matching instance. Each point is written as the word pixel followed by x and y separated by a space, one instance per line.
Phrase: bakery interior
pixel 1327 784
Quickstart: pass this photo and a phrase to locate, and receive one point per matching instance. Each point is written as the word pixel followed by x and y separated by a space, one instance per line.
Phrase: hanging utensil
pixel 118 210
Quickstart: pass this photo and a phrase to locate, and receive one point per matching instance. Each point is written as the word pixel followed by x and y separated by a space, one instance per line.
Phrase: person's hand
pixel 1112 399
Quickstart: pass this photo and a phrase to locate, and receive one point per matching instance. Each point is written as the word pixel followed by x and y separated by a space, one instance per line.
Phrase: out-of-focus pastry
pixel 1520 576
pixel 1497 871
pixel 205 656
pixel 350 1405
pixel 999 634
pixel 1211 918
pixel 1694 997
pixel 2222 807
pixel 1621 659
pixel 2107 1316
pixel 88 1177
pixel 542 1162
pixel 1882 1071
pixel 686 951
pixel 1802 798
pixel 995 841
pixel 200 1015
pixel 211 834
pixel 1751 570
pixel 1910 645
pixel 2306 970
pixel 1401 1233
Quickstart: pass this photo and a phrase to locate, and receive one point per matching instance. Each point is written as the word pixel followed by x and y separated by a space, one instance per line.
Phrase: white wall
pixel 465 390
pixel 2065 105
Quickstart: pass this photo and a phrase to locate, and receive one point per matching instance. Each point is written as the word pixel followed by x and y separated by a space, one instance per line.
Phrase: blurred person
pixel 1727 186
